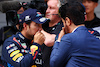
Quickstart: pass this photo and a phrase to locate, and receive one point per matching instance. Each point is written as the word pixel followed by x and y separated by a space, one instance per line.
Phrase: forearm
pixel 60 52
pixel 50 38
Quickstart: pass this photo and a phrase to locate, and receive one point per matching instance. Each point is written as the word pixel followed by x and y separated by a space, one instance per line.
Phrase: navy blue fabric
pixel 32 15
pixel 27 60
pixel 77 49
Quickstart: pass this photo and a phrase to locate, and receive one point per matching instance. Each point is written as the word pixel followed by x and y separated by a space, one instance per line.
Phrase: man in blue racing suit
pixel 23 49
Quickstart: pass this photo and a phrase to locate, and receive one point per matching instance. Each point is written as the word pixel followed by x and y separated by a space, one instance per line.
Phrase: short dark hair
pixel 21 25
pixel 74 11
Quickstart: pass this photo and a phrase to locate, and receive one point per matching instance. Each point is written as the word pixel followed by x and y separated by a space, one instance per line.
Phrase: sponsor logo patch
pixel 27 18
pixel 25 51
pixel 33 49
pixel 21 36
pixel 14 53
pixel 34 66
pixel 38 14
pixel 24 45
pixel 19 59
pixel 11 45
pixel 13 49
pixel 17 56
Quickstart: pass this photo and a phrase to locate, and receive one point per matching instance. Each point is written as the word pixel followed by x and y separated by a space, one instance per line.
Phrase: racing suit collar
pixel 23 38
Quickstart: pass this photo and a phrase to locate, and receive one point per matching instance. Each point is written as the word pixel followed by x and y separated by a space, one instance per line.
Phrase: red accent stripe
pixel 24 50
pixel 91 32
pixel 35 55
pixel 32 42
pixel 16 41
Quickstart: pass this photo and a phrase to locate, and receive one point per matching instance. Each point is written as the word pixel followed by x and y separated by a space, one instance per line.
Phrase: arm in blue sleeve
pixel 60 52
pixel 13 55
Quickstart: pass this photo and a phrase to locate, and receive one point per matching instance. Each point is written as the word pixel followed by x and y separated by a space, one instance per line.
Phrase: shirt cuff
pixel 57 41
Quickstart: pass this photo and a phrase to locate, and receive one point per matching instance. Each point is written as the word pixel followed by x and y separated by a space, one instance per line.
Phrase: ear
pixel 68 21
pixel 25 25
pixel 96 4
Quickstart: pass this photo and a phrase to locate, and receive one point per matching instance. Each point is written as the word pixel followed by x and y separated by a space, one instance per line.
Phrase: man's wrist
pixel 57 41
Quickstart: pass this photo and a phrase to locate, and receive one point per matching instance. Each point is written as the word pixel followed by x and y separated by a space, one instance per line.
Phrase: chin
pixel 87 11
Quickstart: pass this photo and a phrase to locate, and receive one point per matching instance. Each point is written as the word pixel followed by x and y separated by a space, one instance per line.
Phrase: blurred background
pixel 3 18
pixel 97 11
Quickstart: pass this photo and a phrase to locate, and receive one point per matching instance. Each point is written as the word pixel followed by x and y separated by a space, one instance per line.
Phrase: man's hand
pixel 61 34
pixel 39 38
pixel 50 38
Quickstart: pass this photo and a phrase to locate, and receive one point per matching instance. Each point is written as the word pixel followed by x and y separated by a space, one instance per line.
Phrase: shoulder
pixel 11 43
pixel 67 36
pixel 79 32
pixel 9 40
pixel 97 18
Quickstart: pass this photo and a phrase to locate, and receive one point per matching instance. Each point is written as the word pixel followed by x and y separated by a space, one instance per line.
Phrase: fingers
pixel 39 38
pixel 61 34
pixel 63 28
pixel 39 34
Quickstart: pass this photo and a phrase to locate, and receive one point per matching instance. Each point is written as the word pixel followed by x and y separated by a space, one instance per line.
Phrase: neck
pixel 25 35
pixel 53 22
pixel 90 16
